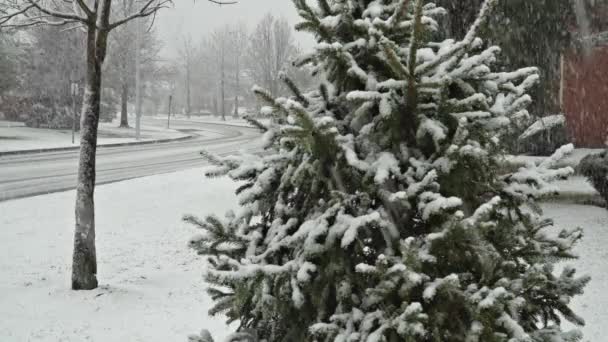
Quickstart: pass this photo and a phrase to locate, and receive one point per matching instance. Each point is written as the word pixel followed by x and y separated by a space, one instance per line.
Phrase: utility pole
pixel 188 87
pixel 169 115
pixel 137 79
pixel 222 86
pixel 74 108
pixel 236 95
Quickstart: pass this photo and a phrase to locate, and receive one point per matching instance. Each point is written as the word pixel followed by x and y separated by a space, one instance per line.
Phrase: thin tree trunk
pixel 138 84
pixel 124 101
pixel 84 260
pixel 188 91
pixel 223 95
pixel 236 96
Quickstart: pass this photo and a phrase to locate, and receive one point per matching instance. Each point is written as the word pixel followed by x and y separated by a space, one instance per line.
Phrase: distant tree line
pixel 209 74
pixel 215 72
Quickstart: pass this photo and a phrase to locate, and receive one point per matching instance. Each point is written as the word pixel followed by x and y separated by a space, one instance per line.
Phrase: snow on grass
pixel 17 137
pixel 593 261
pixel 575 184
pixel 151 283
pixel 151 286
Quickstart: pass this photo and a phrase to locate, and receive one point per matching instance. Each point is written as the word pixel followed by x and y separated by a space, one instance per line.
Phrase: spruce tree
pixel 380 210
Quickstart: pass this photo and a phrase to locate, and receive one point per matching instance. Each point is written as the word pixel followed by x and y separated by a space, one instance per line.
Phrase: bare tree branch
pixel 9 16
pixel 146 10
pixel 27 13
pixel 223 2
pixel 57 14
pixel 81 12
pixel 85 8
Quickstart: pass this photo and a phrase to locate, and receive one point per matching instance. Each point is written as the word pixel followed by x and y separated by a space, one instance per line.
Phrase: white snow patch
pixel 151 286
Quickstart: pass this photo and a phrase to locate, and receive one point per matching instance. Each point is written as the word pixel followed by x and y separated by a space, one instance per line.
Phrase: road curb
pixel 76 148
pixel 243 125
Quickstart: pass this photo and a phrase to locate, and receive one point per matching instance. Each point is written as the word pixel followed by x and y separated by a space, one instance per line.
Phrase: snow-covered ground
pixel 151 286
pixel 16 137
pixel 593 305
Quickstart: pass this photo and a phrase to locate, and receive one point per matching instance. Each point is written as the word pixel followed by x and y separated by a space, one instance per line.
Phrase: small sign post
pixel 169 115
pixel 74 109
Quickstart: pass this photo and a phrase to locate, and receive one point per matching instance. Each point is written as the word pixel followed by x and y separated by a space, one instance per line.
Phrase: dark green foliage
pixel 595 168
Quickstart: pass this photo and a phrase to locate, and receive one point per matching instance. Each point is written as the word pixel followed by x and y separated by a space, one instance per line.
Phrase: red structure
pixel 585 81
pixel 585 97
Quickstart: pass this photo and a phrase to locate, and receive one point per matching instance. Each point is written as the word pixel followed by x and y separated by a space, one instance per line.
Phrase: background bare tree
pixel 187 56
pixel 238 40
pixel 119 72
pixel 122 60
pixel 218 56
pixel 219 71
pixel 270 49
pixel 9 62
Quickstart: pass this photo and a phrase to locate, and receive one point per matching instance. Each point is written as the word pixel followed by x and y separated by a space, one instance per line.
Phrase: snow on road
pixel 17 137
pixel 151 286
pixel 151 283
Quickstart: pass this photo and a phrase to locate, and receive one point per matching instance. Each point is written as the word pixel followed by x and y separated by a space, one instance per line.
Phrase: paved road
pixel 41 173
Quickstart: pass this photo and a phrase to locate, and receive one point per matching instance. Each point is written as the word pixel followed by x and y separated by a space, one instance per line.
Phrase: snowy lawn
pixel 593 305
pixel 17 137
pixel 151 286
pixel 576 190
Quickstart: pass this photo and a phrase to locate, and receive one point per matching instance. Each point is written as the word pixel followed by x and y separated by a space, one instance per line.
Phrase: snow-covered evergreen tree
pixel 379 211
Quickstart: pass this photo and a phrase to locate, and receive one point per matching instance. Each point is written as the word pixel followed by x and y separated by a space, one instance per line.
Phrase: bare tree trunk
pixel 84 261
pixel 236 95
pixel 124 101
pixel 223 94
pixel 138 84
pixel 188 92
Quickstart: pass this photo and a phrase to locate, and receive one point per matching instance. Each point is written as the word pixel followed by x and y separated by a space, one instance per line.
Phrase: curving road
pixel 40 173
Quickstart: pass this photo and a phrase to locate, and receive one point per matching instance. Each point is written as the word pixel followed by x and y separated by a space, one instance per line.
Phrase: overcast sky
pixel 199 17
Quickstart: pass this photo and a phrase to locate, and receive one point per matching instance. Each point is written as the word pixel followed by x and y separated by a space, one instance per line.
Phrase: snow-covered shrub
pixel 45 115
pixel 378 211
pixel 14 107
pixel 595 168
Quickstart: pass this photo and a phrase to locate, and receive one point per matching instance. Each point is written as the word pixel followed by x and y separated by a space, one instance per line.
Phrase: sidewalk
pixel 576 190
pixel 16 138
